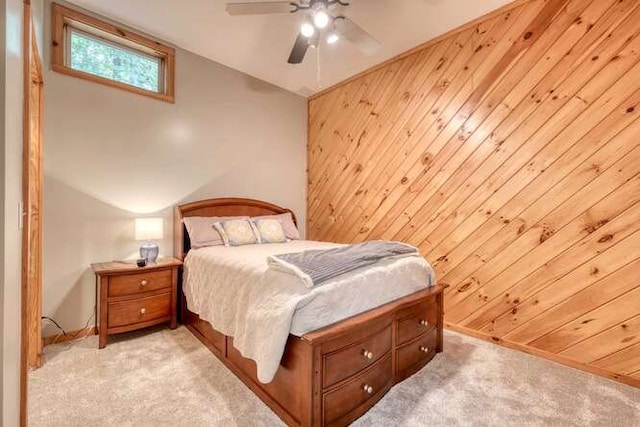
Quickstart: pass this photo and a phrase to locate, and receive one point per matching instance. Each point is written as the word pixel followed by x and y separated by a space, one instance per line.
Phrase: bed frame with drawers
pixel 333 375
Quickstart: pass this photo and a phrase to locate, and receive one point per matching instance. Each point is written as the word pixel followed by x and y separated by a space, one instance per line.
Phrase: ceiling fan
pixel 319 17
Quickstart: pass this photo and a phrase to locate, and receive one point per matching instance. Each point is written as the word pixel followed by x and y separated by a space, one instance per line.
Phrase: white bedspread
pixel 234 289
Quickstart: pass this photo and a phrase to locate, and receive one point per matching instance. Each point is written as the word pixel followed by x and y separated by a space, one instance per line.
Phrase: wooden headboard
pixel 217 207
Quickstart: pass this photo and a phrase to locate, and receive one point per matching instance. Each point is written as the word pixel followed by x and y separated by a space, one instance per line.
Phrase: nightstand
pixel 129 297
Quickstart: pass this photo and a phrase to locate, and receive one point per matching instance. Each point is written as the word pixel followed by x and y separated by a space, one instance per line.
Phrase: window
pixel 94 56
pixel 88 48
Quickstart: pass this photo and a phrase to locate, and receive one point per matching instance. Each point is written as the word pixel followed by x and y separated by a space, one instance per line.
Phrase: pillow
pixel 270 230
pixel 201 231
pixel 237 232
pixel 286 219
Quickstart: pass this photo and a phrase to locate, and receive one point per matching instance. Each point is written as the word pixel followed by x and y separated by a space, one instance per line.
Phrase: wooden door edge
pixel 24 341
pixel 30 317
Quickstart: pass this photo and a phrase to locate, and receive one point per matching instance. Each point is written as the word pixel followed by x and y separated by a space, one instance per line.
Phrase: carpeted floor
pixel 161 377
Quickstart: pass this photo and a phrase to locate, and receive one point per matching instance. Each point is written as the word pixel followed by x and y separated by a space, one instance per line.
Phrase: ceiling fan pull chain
pixel 318 82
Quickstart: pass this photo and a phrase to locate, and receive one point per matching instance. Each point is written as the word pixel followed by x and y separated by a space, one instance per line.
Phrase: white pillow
pixel 286 219
pixel 270 230
pixel 237 232
pixel 201 230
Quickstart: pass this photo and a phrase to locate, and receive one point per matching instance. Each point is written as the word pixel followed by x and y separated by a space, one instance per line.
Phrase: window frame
pixel 71 30
pixel 64 18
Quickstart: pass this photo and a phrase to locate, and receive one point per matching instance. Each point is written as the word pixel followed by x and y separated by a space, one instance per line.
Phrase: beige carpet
pixel 161 377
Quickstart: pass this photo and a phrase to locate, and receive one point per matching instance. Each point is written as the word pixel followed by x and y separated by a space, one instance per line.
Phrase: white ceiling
pixel 260 45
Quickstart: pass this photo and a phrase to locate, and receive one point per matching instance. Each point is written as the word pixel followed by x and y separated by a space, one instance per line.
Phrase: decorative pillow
pixel 270 230
pixel 237 232
pixel 201 231
pixel 286 219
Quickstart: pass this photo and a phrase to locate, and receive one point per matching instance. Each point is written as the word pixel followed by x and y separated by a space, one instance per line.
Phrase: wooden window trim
pixel 61 16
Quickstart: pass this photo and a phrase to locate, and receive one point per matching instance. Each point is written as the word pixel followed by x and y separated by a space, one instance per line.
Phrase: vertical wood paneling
pixel 508 153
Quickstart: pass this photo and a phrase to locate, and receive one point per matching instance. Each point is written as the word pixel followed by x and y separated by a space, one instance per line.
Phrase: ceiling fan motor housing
pixel 316 5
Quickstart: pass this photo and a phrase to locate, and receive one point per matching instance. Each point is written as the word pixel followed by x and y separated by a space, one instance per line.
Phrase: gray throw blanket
pixel 318 266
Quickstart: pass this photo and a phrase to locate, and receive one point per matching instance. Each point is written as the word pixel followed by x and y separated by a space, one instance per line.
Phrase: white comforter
pixel 234 289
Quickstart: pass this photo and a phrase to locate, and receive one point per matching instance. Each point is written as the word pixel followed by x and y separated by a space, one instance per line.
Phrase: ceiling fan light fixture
pixel 321 22
pixel 321 19
pixel 306 29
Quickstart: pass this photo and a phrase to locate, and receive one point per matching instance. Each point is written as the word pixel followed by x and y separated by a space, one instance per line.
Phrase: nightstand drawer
pixel 139 310
pixel 131 284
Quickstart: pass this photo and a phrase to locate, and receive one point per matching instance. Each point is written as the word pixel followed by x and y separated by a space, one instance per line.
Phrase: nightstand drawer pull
pixel 424 349
pixel 143 282
pixel 424 322
pixel 143 310
pixel 367 388
pixel 367 354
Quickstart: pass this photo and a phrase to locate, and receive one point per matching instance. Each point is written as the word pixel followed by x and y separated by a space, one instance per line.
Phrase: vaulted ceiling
pixel 260 45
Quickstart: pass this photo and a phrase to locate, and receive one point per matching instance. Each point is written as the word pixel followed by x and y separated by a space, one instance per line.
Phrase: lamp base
pixel 149 251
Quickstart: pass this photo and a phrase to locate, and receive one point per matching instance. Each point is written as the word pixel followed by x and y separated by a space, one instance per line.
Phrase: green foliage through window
pixel 106 60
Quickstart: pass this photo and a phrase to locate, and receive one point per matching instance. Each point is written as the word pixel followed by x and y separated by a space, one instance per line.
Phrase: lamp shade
pixel 148 228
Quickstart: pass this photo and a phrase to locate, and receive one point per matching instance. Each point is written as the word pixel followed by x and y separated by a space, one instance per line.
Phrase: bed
pixel 333 374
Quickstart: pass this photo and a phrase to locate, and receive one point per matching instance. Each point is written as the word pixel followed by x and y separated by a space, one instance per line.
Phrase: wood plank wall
pixel 508 153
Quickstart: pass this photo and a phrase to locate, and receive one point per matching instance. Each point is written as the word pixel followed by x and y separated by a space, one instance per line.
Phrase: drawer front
pixel 417 320
pixel 140 282
pixel 139 310
pixel 347 402
pixel 343 363
pixel 413 356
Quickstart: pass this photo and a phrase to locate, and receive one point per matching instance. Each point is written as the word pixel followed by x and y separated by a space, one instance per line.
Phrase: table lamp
pixel 149 229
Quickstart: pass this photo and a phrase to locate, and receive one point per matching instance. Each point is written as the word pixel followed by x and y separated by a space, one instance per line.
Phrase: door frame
pixel 32 182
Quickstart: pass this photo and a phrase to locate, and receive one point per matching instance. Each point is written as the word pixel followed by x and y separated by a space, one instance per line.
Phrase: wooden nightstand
pixel 129 297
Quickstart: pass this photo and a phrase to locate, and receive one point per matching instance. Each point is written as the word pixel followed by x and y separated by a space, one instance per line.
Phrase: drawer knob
pixel 367 354
pixel 143 282
pixel 367 388
pixel 143 310
pixel 424 322
pixel 424 349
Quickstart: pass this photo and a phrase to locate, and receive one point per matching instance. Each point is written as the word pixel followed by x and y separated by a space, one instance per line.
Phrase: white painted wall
pixel 12 193
pixel 2 193
pixel 111 156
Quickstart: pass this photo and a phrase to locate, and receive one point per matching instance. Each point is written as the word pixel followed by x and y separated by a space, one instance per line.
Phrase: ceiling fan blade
pixel 299 50
pixel 356 35
pixel 261 8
